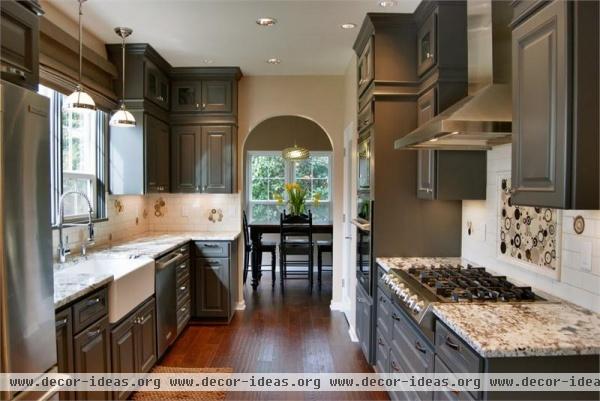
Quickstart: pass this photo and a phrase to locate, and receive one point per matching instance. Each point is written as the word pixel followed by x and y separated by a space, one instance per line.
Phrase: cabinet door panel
pixel 216 160
pixel 64 347
pixel 186 96
pixel 366 68
pixel 146 332
pixel 185 159
pixel 426 158
pixel 427 44
pixel 123 351
pixel 212 287
pixel 92 355
pixel 158 155
pixel 541 128
pixel 216 96
pixel 156 85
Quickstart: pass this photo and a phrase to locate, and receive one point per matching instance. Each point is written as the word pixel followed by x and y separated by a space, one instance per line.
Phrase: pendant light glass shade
pixel 295 153
pixel 122 118
pixel 79 100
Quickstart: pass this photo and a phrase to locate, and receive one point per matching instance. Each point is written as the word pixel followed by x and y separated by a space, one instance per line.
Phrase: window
pixel 267 172
pixel 77 146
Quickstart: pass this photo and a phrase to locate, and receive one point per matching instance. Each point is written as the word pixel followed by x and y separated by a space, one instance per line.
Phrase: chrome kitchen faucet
pixel 63 249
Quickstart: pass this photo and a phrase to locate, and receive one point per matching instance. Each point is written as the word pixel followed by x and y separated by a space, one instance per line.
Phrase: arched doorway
pixel 265 172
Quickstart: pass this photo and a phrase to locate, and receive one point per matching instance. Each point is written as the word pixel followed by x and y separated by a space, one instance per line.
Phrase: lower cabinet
pixel 363 322
pixel 215 280
pixel 83 341
pixel 133 343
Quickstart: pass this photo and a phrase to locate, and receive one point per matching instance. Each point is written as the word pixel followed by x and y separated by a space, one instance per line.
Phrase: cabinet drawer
pixel 184 250
pixel 450 394
pixel 454 352
pixel 384 316
pixel 206 249
pixel 182 271
pixel 365 117
pixel 416 351
pixel 382 352
pixel 89 309
pixel 183 314
pixel 183 291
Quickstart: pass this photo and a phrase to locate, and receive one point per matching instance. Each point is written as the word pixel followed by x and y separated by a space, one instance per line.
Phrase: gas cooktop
pixel 416 287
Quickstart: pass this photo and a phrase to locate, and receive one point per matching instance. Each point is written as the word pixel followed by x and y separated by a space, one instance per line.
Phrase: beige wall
pixel 318 98
pixel 71 26
pixel 278 133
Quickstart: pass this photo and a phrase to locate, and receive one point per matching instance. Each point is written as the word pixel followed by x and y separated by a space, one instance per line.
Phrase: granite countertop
pixel 502 329
pixel 70 284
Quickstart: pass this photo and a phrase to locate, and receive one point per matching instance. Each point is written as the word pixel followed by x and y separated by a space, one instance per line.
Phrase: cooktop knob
pixel 418 307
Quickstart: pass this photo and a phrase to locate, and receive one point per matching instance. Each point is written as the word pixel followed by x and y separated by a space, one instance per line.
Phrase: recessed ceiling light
pixel 274 61
pixel 388 3
pixel 348 26
pixel 207 61
pixel 266 21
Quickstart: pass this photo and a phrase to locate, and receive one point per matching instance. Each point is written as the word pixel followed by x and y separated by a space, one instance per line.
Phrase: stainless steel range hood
pixel 484 118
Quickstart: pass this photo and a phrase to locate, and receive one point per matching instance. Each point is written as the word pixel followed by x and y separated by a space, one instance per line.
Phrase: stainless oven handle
pixel 172 260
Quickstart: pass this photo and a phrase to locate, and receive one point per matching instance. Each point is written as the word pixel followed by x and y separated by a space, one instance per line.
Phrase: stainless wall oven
pixel 364 246
pixel 364 161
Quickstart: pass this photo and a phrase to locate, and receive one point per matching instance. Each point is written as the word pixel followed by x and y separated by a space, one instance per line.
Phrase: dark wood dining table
pixel 257 229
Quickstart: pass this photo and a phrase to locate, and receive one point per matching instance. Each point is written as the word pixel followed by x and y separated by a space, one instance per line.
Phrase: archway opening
pixel 265 173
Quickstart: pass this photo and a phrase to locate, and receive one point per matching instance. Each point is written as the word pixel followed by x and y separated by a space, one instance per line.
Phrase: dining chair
pixel 258 250
pixel 296 239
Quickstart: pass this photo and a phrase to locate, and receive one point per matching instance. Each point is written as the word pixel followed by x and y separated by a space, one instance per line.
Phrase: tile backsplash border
pixel 575 283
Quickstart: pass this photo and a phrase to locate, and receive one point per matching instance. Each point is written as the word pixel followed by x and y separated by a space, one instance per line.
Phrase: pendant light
pixel 79 100
pixel 122 117
pixel 295 153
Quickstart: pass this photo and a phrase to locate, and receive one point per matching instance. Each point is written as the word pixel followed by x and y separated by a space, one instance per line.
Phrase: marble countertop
pixel 71 284
pixel 499 329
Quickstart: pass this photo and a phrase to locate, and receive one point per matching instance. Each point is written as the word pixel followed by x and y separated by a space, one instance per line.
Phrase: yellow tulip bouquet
pixel 296 199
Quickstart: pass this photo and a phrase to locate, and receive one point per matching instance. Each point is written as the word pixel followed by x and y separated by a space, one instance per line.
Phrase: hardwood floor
pixel 291 332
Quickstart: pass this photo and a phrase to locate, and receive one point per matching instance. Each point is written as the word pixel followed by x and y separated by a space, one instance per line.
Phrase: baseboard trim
pixel 352 334
pixel 240 305
pixel 337 306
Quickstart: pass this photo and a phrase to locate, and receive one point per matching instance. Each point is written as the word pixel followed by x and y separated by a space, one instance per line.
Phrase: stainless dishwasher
pixel 166 300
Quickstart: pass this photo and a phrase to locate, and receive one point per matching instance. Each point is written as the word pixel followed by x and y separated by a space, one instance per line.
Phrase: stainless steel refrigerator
pixel 26 273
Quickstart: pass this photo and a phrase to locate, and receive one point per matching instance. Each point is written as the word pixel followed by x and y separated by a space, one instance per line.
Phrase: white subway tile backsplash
pixel 575 282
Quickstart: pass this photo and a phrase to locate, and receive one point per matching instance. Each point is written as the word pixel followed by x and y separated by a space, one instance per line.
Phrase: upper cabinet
pixel 366 72
pixel 20 42
pixel 555 161
pixel 210 96
pixel 156 86
pixel 426 44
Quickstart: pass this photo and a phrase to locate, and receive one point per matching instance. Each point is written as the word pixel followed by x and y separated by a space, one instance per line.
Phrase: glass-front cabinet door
pixel 187 96
pixel 426 45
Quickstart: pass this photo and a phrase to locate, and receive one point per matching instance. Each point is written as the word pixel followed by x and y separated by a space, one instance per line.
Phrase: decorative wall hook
pixel 215 215
pixel 158 207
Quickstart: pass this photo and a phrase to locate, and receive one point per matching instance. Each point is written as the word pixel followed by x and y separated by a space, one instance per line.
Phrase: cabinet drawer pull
pixel 182 288
pixel 93 333
pixel 183 309
pixel 92 302
pixel 183 250
pixel 382 299
pixel 210 245
pixel 141 320
pixel 380 341
pixel 452 344
pixel 395 367
pixel 419 347
pixel 182 267
pixel 361 300
pixel 61 322
pixel 395 317
pixel 203 105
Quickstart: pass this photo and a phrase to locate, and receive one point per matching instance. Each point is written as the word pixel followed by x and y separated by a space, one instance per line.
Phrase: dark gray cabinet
pixel 157 155
pixel 215 281
pixel 64 346
pixel 366 68
pixel 140 157
pixel 364 316
pixel 203 96
pixel 133 343
pixel 202 159
pixel 427 44
pixel 555 160
pixel 92 355
pixel 217 154
pixel 156 85
pixel 19 44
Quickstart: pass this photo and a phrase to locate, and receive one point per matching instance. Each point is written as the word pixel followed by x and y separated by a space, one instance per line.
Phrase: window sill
pixel 81 221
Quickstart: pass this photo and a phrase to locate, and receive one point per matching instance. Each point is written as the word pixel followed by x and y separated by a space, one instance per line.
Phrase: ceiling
pixel 307 39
